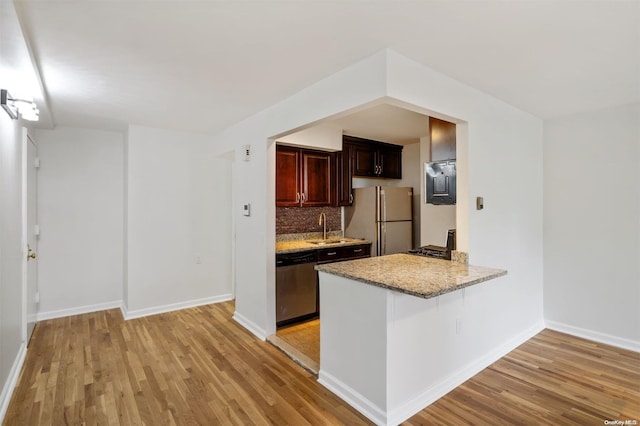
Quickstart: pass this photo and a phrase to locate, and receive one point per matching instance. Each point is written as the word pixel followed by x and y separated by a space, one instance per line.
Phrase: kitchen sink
pixel 328 242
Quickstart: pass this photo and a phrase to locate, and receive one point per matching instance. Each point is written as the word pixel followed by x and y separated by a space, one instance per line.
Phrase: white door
pixel 32 236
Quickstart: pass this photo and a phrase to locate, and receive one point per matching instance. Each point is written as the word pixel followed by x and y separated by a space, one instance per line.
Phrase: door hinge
pixel 36 162
pixel 36 230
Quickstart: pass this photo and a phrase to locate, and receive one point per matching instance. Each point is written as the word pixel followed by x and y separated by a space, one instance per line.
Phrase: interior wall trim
pixel 12 379
pixel 138 313
pixel 78 310
pixel 353 398
pixel 596 336
pixel 258 331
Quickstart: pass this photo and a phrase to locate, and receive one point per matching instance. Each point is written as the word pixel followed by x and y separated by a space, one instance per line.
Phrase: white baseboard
pixel 438 390
pixel 79 310
pixel 12 379
pixel 596 336
pixel 127 314
pixel 353 398
pixel 250 325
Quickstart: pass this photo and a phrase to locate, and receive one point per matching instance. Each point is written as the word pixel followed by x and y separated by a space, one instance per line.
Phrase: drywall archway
pixel 506 234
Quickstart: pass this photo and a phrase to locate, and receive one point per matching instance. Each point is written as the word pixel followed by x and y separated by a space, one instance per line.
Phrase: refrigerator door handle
pixel 384 239
pixel 384 206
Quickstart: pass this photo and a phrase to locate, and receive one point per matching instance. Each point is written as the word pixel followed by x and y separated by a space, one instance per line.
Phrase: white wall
pixel 502 152
pixel 507 234
pixel 322 136
pixel 124 217
pixel 592 225
pixel 412 176
pixel 11 252
pixel 179 209
pixel 254 181
pixel 437 221
pixel 125 220
pixel 80 212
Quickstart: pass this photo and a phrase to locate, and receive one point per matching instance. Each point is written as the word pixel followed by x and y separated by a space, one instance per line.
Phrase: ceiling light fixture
pixel 14 106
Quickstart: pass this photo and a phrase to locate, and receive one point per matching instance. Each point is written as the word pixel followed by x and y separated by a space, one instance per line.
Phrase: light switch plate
pixel 479 203
pixel 246 152
pixel 246 210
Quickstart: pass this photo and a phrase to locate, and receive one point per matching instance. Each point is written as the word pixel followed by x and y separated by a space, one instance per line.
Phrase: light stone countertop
pixel 416 275
pixel 305 245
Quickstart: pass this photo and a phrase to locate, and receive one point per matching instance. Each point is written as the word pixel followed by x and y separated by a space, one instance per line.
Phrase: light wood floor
pixel 197 366
pixel 305 337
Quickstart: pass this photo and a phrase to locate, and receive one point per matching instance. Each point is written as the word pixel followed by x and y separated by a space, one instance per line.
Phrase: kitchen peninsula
pixel 400 331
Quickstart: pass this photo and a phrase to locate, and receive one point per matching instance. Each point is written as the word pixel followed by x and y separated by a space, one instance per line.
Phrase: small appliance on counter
pixel 438 251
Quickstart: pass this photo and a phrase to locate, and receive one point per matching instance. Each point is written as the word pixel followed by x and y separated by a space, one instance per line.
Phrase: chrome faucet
pixel 323 221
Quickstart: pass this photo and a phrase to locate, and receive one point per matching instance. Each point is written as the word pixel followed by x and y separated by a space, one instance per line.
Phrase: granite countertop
pixel 305 245
pixel 416 275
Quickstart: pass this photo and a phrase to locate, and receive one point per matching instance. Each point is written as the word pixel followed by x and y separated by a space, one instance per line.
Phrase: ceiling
pixel 204 65
pixel 387 123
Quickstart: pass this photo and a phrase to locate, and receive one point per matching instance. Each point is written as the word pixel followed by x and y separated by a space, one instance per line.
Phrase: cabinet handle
pixel 350 198
pixel 297 197
pixel 333 253
pixel 380 169
pixel 357 250
pixel 304 198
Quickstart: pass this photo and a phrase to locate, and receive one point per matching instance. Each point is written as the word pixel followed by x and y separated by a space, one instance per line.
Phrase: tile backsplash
pixel 294 220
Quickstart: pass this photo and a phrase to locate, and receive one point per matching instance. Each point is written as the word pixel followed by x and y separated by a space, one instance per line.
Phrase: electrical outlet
pixel 197 259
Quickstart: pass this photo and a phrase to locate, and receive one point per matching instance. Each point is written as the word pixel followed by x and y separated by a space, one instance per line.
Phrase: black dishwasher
pixel 296 287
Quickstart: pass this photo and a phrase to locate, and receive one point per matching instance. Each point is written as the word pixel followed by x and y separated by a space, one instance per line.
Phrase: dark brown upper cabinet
pixel 443 139
pixel 343 174
pixel 303 177
pixel 373 159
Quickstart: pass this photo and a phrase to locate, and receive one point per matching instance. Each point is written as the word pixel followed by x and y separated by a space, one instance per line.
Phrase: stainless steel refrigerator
pixel 384 215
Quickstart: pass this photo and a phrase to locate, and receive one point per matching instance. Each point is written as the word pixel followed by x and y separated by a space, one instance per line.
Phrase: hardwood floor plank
pixel 198 367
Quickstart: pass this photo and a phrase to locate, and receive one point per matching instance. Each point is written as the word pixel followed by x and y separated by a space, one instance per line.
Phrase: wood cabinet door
pixel 338 254
pixel 365 160
pixel 316 178
pixel 390 162
pixel 288 167
pixel 344 172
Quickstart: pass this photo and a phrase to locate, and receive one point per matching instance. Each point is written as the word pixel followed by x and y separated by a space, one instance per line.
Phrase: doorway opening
pixel 30 234
pixel 389 122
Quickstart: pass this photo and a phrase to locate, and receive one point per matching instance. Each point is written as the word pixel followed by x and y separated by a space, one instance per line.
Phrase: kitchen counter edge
pixel 414 275
pixel 303 245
